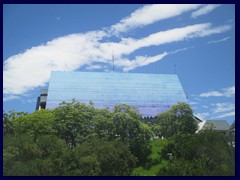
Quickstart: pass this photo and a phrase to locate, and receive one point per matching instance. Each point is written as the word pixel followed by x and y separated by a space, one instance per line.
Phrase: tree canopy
pixel 77 139
pixel 178 119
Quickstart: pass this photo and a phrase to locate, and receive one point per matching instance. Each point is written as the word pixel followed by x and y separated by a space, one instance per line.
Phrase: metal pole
pixel 231 147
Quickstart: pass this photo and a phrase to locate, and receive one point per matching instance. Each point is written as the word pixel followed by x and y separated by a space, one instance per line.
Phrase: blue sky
pixel 198 39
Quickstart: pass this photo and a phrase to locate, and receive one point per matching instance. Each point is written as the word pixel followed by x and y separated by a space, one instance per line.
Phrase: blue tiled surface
pixel 150 93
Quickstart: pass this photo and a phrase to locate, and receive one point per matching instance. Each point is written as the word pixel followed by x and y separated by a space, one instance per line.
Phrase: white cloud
pixel 211 93
pixel 220 110
pixel 217 41
pixel 30 69
pixel 139 61
pixel 129 45
pixel 204 10
pixel 179 50
pixel 92 67
pixel 227 92
pixel 223 107
pixel 202 115
pixel 197 99
pixel 225 115
pixel 31 100
pixel 210 31
pixel 9 97
pixel 151 13
pixel 192 103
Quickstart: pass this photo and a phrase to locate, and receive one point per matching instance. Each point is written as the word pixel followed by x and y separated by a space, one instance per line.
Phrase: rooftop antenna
pixel 113 61
pixel 51 64
pixel 175 67
pixel 186 94
pixel 65 67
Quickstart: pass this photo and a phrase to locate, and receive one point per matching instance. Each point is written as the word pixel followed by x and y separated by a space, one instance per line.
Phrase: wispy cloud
pixel 204 10
pixel 58 18
pixel 30 69
pixel 197 99
pixel 203 115
pixel 151 13
pixel 211 93
pixel 9 97
pixel 31 100
pixel 224 115
pixel 227 92
pixel 139 61
pixel 192 103
pixel 223 107
pixel 129 45
pixel 230 20
pixel 219 110
pixel 179 50
pixel 218 41
pixel 91 67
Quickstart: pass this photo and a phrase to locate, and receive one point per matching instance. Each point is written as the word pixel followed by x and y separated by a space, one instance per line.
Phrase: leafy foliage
pixel 78 140
pixel 155 159
pixel 179 119
pixel 206 153
pixel 7 121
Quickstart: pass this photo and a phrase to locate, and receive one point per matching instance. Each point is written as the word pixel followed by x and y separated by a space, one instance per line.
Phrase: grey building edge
pixel 217 125
pixel 42 99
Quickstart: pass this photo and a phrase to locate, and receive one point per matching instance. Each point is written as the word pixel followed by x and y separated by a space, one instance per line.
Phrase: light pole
pixel 170 157
pixel 231 134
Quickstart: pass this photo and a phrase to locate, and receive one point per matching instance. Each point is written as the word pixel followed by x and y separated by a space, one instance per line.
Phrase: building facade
pixel 151 94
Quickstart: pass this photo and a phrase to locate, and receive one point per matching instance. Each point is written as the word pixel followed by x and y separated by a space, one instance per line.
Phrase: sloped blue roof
pixel 150 93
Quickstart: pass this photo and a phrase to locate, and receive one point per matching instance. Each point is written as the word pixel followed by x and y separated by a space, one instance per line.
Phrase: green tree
pixel 19 150
pixel 179 119
pixel 205 153
pixel 99 157
pixel 129 129
pixel 115 157
pixel 127 124
pixel 74 122
pixel 35 124
pixel 156 130
pixel 24 156
pixel 80 161
pixel 103 126
pixel 7 121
